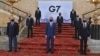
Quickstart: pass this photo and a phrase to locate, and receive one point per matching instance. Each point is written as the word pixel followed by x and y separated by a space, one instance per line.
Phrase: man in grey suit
pixel 50 35
pixel 12 32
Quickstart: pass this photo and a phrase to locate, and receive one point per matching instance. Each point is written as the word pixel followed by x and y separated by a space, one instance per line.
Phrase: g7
pixel 54 8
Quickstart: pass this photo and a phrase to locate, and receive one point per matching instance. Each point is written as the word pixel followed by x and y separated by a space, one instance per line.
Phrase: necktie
pixel 73 12
pixel 50 23
pixel 77 19
pixel 59 17
pixel 38 11
pixel 84 25
pixel 12 23
pixel 29 18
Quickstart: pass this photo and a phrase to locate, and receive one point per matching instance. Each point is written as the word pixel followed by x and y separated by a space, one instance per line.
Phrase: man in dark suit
pixel 12 32
pixel 20 19
pixel 37 16
pixel 83 35
pixel 89 22
pixel 73 16
pixel 77 26
pixel 29 24
pixel 50 35
pixel 59 21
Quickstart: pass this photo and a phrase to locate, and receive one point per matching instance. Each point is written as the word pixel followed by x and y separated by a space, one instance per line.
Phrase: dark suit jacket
pixel 59 19
pixel 12 30
pixel 37 14
pixel 73 15
pixel 78 23
pixel 89 22
pixel 84 32
pixel 30 22
pixel 50 30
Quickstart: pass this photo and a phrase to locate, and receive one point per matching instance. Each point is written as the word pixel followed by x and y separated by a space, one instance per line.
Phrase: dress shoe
pixel 27 36
pixel 15 51
pixel 9 50
pixel 52 52
pixel 47 51
pixel 85 53
pixel 31 35
pixel 81 53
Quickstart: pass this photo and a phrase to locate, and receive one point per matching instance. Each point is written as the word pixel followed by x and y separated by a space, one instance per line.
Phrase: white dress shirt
pixel 12 23
pixel 51 23
pixel 84 25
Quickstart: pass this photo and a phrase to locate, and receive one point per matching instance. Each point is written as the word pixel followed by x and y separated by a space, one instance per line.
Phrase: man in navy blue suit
pixel 59 21
pixel 29 24
pixel 84 34
pixel 50 35
pixel 12 32
pixel 37 16
pixel 73 16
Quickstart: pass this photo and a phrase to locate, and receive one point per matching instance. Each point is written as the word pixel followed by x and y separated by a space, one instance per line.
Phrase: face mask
pixel 12 20
pixel 84 20
pixel 29 16
pixel 51 20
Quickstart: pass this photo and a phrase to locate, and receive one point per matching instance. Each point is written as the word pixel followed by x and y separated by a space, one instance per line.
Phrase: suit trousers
pixel 37 21
pixel 30 31
pixel 83 45
pixel 13 43
pixel 59 27
pixel 76 33
pixel 72 22
pixel 50 44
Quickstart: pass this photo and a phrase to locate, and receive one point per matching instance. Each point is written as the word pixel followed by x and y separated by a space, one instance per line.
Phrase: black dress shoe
pixel 31 35
pixel 35 25
pixel 9 50
pixel 85 53
pixel 15 51
pixel 27 36
pixel 52 52
pixel 81 53
pixel 47 51
pixel 78 51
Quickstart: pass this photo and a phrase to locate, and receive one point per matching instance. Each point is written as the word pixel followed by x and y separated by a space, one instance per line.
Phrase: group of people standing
pixel 82 30
pixel 50 28
pixel 13 30
pixel 30 22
